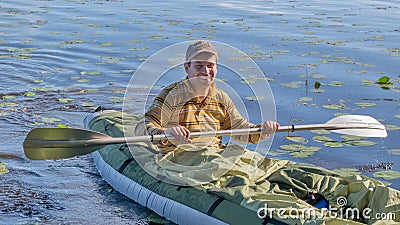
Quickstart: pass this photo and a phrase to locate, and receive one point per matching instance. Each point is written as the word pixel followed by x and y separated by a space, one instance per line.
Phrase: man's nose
pixel 205 70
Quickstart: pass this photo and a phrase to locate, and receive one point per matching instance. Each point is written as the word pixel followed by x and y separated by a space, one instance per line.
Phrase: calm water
pixel 60 59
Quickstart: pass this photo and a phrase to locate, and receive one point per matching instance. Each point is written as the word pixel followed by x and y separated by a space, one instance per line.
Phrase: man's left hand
pixel 269 127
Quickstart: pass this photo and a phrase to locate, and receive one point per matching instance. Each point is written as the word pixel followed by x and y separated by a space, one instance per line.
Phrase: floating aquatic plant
pixel 3 168
pixel 387 174
pixel 65 100
pixel 297 139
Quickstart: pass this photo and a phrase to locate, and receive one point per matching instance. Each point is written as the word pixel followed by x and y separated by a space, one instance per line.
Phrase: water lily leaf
pixel 276 153
pixel 50 120
pixel 384 80
pixel 394 151
pixel 346 171
pixel 317 91
pixel 302 154
pixel 305 99
pixel 8 97
pixel 359 143
pixel 365 104
pixel 389 127
pixel 29 94
pixel 248 81
pixel 333 144
pixel 334 106
pixel 255 98
pixel 297 147
pixel 8 104
pixel 3 168
pixel 297 139
pixel 322 139
pixel 317 85
pixel 295 84
pixel 397 116
pixel 86 104
pixel 336 83
pixel 351 137
pixel 65 100
pixel 62 125
pixel 387 174
pixel 117 99
pixel 82 80
pixel 2 113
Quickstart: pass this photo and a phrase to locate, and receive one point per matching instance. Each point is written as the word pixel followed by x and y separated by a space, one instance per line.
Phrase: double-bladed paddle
pixel 59 143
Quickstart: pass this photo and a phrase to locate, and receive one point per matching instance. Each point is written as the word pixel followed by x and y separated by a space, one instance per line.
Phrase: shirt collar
pixel 212 91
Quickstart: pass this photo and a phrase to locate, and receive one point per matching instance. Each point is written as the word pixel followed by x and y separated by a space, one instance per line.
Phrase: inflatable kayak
pixel 238 197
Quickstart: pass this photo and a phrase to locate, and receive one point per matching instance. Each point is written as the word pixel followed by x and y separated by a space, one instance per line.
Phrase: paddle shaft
pixel 106 141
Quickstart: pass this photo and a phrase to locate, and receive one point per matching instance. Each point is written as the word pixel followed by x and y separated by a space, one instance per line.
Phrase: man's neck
pixel 201 93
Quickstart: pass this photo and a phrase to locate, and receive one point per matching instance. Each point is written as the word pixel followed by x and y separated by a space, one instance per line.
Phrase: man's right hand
pixel 180 133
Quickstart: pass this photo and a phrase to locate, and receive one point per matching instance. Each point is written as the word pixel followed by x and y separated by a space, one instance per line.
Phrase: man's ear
pixel 186 65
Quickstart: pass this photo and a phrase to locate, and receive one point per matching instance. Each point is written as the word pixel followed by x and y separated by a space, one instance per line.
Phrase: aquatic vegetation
pixel 300 151
pixel 3 168
pixel 387 174
pixel 297 139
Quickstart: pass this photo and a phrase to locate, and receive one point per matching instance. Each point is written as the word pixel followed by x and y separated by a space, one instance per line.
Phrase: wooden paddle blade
pixel 358 125
pixel 59 143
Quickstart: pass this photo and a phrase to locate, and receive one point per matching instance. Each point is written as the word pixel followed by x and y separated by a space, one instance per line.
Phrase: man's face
pixel 201 73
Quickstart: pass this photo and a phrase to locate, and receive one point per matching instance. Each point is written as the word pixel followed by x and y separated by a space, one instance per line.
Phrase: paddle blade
pixel 359 125
pixel 59 143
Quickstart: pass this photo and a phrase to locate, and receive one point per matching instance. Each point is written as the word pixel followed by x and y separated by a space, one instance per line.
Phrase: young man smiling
pixel 196 104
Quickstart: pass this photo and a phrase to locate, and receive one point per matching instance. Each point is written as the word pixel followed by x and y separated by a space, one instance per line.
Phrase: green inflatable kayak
pixel 273 192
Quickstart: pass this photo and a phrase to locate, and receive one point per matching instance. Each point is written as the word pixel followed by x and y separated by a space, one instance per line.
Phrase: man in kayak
pixel 196 104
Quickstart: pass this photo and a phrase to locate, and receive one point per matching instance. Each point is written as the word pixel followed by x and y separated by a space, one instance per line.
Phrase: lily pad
pixel 255 98
pixel 365 104
pixel 333 144
pixel 50 120
pixel 336 83
pixel 302 154
pixel 384 80
pixel 389 127
pixel 295 84
pixel 394 151
pixel 297 147
pixel 322 139
pixel 387 174
pixel 65 100
pixel 29 94
pixel 305 99
pixel 62 126
pixel 3 168
pixel 359 143
pixel 297 139
pixel 351 138
pixel 2 113
pixel 334 106
pixel 321 131
pixel 8 104
pixel 8 96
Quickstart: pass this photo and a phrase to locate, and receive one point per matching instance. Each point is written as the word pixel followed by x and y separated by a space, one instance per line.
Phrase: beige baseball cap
pixel 201 51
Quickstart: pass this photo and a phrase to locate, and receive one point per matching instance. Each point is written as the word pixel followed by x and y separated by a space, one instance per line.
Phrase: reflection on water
pixel 60 59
